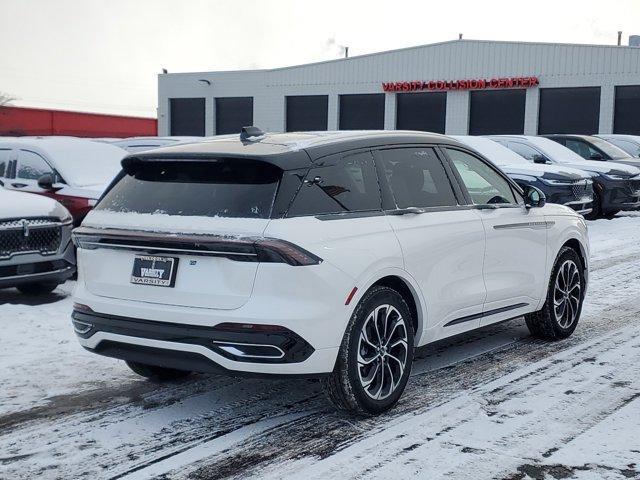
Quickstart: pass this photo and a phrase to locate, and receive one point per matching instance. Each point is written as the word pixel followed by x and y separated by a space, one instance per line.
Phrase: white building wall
pixel 556 65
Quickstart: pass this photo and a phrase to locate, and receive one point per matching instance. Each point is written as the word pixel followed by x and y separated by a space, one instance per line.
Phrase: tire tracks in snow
pixel 116 432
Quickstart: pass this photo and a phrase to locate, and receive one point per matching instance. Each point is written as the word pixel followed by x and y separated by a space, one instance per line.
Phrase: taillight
pixel 274 250
pixel 242 249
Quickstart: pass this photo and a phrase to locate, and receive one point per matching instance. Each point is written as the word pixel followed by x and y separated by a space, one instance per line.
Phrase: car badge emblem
pixel 25 228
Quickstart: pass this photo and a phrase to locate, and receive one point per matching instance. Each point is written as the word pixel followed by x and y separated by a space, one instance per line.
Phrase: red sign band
pixel 468 84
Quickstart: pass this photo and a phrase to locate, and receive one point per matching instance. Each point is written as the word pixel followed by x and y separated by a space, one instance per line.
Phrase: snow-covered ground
pixel 491 404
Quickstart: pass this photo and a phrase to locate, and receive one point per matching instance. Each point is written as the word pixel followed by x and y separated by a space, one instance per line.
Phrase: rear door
pixel 515 255
pixel 442 239
pixel 163 214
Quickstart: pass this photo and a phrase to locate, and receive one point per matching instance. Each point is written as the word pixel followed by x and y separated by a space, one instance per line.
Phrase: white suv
pixel 330 254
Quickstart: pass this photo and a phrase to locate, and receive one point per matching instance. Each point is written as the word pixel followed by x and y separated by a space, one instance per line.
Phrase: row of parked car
pixel 597 176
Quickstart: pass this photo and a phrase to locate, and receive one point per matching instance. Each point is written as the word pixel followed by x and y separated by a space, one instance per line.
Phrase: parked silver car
pixel 36 253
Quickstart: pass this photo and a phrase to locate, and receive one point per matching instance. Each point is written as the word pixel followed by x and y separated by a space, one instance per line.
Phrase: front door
pixel 442 241
pixel 515 255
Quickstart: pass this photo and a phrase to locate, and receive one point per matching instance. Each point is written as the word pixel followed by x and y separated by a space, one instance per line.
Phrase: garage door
pixel 186 116
pixel 307 112
pixel 421 111
pixel 233 113
pixel 497 112
pixel 627 116
pixel 362 112
pixel 569 110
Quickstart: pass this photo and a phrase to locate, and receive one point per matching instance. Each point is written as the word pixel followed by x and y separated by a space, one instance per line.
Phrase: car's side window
pixel 417 178
pixel 582 148
pixel 5 155
pixel 31 166
pixel 525 151
pixel 484 184
pixel 350 185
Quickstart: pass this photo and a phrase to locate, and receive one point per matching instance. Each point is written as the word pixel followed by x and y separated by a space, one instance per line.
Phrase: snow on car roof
pixel 80 162
pixel 498 154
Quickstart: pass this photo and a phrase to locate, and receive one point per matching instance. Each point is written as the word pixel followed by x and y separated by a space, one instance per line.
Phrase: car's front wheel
pixel 158 374
pixel 560 313
pixel 376 354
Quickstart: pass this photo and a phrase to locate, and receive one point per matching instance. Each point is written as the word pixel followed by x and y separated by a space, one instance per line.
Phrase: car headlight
pixel 614 177
pixel 551 181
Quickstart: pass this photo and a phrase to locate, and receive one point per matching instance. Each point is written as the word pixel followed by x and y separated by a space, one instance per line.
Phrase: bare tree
pixel 5 99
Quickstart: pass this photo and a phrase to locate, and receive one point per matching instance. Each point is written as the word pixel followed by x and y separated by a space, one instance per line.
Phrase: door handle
pixel 406 211
pixel 18 185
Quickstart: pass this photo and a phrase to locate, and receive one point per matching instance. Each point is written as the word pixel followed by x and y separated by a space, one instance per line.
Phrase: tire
pixel 555 322
pixel 158 374
pixel 39 288
pixel 355 385
pixel 596 207
pixel 610 214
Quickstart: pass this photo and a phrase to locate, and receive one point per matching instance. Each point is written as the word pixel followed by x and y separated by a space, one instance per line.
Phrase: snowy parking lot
pixel 494 403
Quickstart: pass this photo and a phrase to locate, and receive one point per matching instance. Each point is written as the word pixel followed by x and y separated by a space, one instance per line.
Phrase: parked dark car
pixel 616 185
pixel 560 183
pixel 628 143
pixel 594 148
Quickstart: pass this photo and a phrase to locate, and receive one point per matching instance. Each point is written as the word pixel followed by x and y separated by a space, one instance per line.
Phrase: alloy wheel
pixel 382 352
pixel 567 294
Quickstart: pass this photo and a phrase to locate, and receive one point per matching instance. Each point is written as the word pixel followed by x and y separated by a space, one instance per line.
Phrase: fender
pixel 364 283
pixel 566 228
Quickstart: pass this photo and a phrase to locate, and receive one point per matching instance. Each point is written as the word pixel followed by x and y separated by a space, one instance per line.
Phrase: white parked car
pixel 36 253
pixel 328 255
pixel 628 143
pixel 72 171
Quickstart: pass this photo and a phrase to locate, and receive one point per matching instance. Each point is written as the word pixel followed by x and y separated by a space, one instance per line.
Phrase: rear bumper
pixel 230 351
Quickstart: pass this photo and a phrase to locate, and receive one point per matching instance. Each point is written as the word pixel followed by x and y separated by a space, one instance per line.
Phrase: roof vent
pixel 249 132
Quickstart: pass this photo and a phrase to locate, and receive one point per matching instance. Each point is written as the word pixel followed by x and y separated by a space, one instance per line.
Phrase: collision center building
pixel 457 87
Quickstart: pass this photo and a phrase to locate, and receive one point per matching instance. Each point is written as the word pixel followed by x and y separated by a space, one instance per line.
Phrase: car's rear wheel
pixel 37 288
pixel 560 313
pixel 376 355
pixel 155 373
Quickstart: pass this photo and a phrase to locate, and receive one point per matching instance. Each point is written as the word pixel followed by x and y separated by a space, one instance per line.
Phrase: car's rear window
pixel 234 188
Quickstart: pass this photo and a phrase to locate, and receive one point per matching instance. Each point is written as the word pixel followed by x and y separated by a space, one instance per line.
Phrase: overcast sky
pixel 104 55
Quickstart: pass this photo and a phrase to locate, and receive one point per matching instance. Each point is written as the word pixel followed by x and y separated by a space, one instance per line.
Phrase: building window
pixel 497 112
pixel 233 113
pixel 569 110
pixel 421 111
pixel 186 116
pixel 362 112
pixel 626 118
pixel 307 113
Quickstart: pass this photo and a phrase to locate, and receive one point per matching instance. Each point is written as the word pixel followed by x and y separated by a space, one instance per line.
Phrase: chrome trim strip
pixel 531 225
pixel 117 246
pixel 238 353
pixel 488 313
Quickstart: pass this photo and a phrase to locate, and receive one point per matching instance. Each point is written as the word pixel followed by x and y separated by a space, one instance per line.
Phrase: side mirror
pixel 596 156
pixel 534 197
pixel 539 159
pixel 46 181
